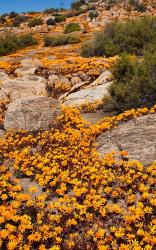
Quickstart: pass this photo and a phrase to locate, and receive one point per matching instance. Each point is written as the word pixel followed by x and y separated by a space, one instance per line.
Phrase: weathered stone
pixel 87 95
pixel 24 87
pixel 31 114
pixel 54 79
pixel 103 78
pixel 137 136
pixel 25 70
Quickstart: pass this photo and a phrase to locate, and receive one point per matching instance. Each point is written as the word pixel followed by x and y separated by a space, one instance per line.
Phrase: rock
pixel 93 117
pixel 3 96
pixel 54 80
pixel 24 87
pixel 3 76
pixel 75 80
pixel 31 114
pixel 2 134
pixel 103 78
pixel 30 62
pixel 137 136
pixel 87 95
pixel 26 70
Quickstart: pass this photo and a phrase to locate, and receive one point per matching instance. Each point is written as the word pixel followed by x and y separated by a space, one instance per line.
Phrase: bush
pixel 50 22
pixel 35 22
pixel 59 18
pixel 13 14
pixel 50 10
pixel 77 4
pixel 11 43
pixel 135 83
pixel 93 14
pixel 18 20
pixel 60 40
pixel 133 37
pixel 2 19
pixel 71 27
pixel 138 6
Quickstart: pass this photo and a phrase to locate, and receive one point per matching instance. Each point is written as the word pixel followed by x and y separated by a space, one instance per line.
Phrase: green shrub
pixel 93 14
pixel 59 19
pixel 50 22
pixel 80 11
pixel 71 27
pixel 138 6
pixel 133 37
pixel 60 40
pixel 2 19
pixel 35 22
pixel 18 20
pixel 135 83
pixel 9 43
pixel 13 14
pixel 77 4
pixel 50 10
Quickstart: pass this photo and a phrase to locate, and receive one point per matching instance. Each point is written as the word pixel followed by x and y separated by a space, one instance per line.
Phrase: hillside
pixel 78 127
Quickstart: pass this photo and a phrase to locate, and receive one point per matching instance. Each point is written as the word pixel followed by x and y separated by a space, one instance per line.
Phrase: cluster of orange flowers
pixel 66 65
pixel 3 108
pixel 8 66
pixel 87 202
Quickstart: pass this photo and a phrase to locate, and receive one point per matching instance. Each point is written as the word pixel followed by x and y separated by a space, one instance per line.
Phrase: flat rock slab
pixel 137 136
pixel 88 95
pixel 93 117
pixel 23 87
pixel 31 114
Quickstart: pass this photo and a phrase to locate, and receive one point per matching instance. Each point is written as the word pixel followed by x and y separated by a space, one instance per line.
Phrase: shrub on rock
pixel 135 83
pixel 60 40
pixel 50 22
pixel 35 22
pixel 133 37
pixel 10 43
pixel 71 27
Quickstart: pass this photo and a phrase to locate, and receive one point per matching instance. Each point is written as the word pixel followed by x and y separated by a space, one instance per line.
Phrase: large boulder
pixel 88 95
pixel 23 87
pixel 55 80
pixel 31 114
pixel 25 70
pixel 28 67
pixel 137 136
pixel 105 77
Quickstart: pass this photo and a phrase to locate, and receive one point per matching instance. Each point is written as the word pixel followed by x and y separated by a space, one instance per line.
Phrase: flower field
pixel 85 202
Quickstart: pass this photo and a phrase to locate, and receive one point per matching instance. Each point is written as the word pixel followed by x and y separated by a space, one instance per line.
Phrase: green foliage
pixel 10 43
pixel 13 14
pixel 60 40
pixel 77 4
pixel 51 10
pixel 93 14
pixel 71 27
pixel 18 20
pixel 80 11
pixel 133 37
pixel 35 22
pixel 135 83
pixel 2 19
pixel 138 6
pixel 59 18
pixel 50 22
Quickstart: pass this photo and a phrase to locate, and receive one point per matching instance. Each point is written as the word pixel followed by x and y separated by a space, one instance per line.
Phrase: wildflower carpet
pixel 87 202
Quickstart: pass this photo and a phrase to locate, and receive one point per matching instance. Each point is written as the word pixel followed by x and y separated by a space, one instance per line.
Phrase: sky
pixel 28 5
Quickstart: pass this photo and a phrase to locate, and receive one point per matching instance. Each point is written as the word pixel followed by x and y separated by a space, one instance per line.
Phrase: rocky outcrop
pixel 137 136
pixel 31 114
pixel 88 95
pixel 23 87
pixel 28 67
